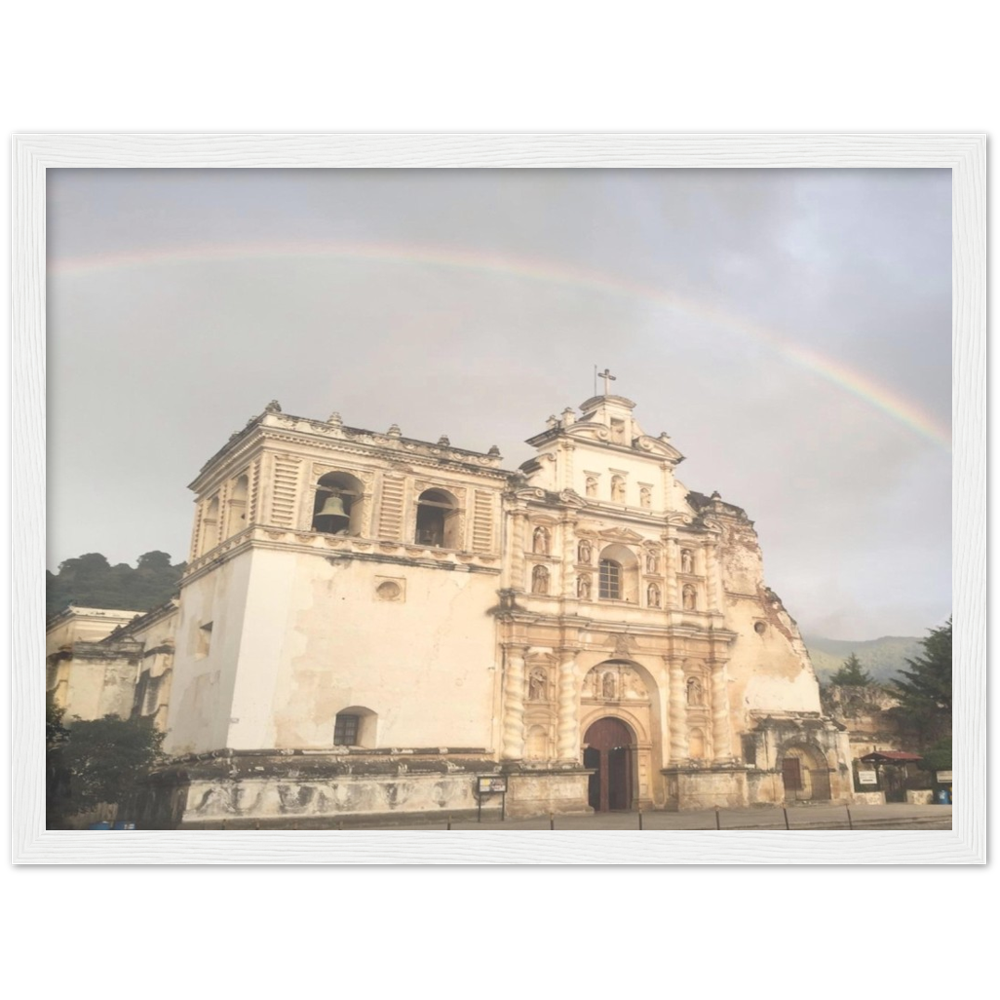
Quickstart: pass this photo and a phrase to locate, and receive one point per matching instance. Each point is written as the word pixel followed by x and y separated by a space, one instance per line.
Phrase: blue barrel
pixel 120 825
pixel 941 796
pixel 99 826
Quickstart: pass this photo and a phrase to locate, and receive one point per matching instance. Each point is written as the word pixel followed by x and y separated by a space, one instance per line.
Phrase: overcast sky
pixel 791 331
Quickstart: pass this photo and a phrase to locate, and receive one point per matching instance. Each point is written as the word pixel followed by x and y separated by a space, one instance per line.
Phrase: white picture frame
pixel 963 154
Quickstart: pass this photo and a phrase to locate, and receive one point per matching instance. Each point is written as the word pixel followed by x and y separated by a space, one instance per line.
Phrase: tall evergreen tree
pixel 925 693
pixel 852 674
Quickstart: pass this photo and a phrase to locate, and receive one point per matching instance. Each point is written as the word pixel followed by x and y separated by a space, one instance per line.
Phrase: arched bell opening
pixel 437 520
pixel 339 505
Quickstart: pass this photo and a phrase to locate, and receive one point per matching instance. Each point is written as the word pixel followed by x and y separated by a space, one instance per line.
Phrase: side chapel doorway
pixel 610 751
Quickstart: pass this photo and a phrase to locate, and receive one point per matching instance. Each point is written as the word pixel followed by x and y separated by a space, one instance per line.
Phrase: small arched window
pixel 437 520
pixel 611 579
pixel 237 519
pixel 210 525
pixel 355 727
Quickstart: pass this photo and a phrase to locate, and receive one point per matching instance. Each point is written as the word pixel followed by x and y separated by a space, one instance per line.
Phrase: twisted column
pixel 712 572
pixel 568 747
pixel 721 741
pixel 513 698
pixel 670 598
pixel 678 713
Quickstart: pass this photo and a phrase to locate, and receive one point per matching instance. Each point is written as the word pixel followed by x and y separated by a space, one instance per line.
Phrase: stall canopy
pixel 890 757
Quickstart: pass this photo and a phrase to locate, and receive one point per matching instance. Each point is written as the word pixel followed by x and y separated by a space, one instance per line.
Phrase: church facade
pixel 372 625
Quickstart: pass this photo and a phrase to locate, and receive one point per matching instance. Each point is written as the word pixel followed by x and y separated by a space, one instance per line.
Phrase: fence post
pixel 784 809
pixel 718 820
pixel 640 817
pixel 552 821
pixel 850 822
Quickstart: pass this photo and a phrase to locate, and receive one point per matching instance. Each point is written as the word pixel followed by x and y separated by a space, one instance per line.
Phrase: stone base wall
pixel 541 793
pixel 250 789
pixel 699 788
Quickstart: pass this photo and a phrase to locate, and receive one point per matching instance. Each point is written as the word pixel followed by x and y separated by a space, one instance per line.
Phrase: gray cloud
pixel 151 367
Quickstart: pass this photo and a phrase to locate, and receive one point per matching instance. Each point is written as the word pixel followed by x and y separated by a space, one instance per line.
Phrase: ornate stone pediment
pixel 679 519
pixel 572 499
pixel 621 535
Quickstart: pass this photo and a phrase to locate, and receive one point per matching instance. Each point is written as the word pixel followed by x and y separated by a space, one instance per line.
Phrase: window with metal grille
pixel 345 731
pixel 611 579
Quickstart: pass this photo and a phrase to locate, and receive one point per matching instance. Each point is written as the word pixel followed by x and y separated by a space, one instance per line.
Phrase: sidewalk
pixel 893 816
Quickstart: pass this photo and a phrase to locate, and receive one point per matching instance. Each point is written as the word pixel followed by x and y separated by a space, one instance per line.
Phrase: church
pixel 372 626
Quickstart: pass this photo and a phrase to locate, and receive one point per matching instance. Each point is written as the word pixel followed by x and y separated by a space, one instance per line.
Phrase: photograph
pixel 497 500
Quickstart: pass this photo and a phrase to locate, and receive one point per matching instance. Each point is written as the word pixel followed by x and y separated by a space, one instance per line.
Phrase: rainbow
pixel 531 269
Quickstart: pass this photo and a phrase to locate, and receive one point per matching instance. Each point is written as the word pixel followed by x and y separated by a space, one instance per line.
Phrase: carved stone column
pixel 678 712
pixel 712 574
pixel 517 544
pixel 721 740
pixel 670 569
pixel 568 747
pixel 513 701
pixel 568 527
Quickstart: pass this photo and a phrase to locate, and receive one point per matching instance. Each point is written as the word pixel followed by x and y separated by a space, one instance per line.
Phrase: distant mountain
pixel 882 658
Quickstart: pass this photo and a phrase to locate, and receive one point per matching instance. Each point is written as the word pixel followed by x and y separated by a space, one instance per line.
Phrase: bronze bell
pixel 333 506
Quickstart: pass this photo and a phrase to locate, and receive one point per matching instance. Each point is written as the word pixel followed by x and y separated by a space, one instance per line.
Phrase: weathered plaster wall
pixel 319 638
pixel 204 668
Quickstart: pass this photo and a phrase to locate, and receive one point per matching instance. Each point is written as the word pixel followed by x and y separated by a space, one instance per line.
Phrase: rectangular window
pixel 749 750
pixel 611 580
pixel 345 731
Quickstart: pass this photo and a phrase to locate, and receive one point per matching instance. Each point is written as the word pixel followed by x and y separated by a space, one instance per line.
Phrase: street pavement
pixel 892 816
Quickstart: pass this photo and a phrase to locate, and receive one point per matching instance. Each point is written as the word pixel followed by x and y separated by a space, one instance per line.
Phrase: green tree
pixel 100 760
pixel 852 674
pixel 925 692
pixel 91 581
pixel 938 756
pixel 56 774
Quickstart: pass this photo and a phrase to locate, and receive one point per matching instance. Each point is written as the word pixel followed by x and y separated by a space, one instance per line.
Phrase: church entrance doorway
pixel 609 748
pixel 805 775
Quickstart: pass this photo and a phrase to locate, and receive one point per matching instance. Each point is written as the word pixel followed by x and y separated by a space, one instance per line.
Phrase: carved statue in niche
pixel 608 685
pixel 695 692
pixel 539 580
pixel 652 561
pixel 536 684
pixel 653 595
pixel 540 541
pixel 590 486
pixel 583 587
pixel 617 489
pixel 687 561
pixel 646 497
pixel 584 552
pixel 690 597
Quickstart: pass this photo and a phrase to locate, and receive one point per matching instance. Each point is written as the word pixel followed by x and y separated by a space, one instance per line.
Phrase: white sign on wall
pixel 867 778
pixel 944 777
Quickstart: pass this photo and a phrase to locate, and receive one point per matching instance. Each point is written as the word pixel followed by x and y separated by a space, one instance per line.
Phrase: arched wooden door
pixel 610 752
